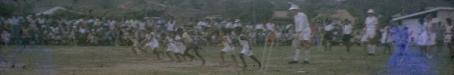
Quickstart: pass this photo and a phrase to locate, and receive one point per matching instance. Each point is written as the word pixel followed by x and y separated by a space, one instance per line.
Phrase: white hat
pixel 293 6
pixel 370 11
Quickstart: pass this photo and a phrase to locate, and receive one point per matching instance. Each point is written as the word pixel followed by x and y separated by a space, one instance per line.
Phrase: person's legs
pixel 347 45
pixel 178 56
pixel 157 53
pixel 296 47
pixel 295 57
pixel 256 60
pixel 429 51
pixel 187 54
pixel 451 49
pixel 2 59
pixel 196 51
pixel 307 50
pixel 234 59
pixel 371 49
pixel 169 54
pixel 243 61
pixel 221 54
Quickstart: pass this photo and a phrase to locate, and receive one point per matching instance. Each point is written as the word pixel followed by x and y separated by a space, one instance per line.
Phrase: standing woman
pixel 430 26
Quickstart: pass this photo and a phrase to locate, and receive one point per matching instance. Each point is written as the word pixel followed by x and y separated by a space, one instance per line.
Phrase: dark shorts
pixel 347 37
pixel 328 36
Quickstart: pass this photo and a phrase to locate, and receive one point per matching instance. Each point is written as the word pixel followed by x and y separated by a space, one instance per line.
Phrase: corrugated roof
pixel 422 13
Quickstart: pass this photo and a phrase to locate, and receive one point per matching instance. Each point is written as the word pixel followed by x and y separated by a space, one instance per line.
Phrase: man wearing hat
pixel 370 31
pixel 302 34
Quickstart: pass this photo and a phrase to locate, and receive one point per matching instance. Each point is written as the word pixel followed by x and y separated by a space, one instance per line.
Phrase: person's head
pixel 421 21
pixel 449 21
pixel 429 17
pixel 399 22
pixel 329 21
pixel 370 12
pixel 238 30
pixel 294 9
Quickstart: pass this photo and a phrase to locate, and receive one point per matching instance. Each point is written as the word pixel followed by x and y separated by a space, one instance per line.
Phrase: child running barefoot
pixel 153 44
pixel 228 48
pixel 246 50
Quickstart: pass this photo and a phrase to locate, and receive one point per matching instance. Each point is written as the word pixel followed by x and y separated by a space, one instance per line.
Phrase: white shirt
pixel 348 29
pixel 259 26
pixel 371 23
pixel 270 26
pixel 141 26
pixel 154 43
pixel 329 27
pixel 83 30
pixel 201 24
pixel 170 26
pixel 227 41
pixel 302 23
pixel 229 25
pixel 245 44
pixel 449 29
pixel 236 24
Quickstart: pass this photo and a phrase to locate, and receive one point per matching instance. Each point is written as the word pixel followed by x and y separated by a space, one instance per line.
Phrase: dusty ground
pixel 108 60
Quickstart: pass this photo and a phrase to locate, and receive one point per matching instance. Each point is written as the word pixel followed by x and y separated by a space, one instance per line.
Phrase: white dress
pixel 424 37
pixel 246 49
pixel 180 47
pixel 432 34
pixel 227 45
pixel 153 44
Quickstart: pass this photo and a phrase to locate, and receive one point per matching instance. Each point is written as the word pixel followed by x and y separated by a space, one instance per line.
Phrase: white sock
pixel 374 48
pixel 369 49
pixel 307 54
pixel 297 54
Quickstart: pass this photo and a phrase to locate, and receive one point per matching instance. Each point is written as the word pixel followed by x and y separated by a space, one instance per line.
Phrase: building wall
pixel 443 15
pixel 413 25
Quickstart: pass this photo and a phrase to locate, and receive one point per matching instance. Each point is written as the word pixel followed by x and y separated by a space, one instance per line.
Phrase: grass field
pixel 108 60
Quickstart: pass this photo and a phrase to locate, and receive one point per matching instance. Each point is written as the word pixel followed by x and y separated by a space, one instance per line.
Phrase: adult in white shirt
pixel 302 34
pixel 370 31
pixel 347 34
